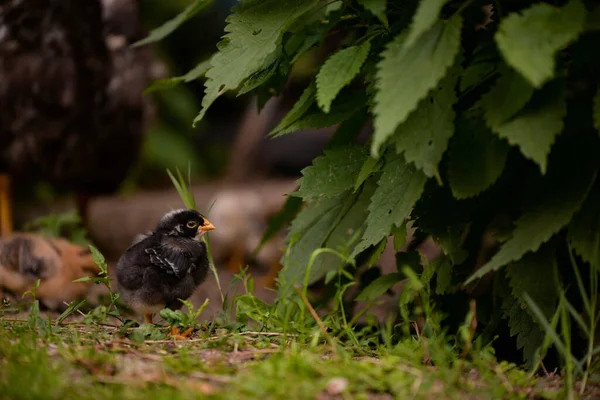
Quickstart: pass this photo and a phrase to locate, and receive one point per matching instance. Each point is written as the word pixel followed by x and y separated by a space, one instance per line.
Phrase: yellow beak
pixel 208 226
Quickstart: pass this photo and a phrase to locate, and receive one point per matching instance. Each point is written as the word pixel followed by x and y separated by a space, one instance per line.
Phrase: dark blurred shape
pixel 71 104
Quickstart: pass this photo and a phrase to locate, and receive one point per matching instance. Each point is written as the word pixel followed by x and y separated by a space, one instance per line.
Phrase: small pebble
pixel 337 386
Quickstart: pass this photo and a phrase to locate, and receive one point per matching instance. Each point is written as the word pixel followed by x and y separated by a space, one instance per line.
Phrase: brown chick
pixel 26 257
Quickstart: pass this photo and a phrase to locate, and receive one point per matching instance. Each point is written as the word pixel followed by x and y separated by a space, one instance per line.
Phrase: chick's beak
pixel 208 226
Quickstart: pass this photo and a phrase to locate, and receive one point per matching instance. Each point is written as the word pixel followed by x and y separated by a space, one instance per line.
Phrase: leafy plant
pixel 100 313
pixel 189 319
pixel 485 124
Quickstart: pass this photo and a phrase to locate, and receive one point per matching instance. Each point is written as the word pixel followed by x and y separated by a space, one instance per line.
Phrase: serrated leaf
pixel 369 167
pixel 346 233
pixel 405 76
pixel 343 108
pixel 377 8
pixel 338 71
pixel 597 109
pixel 426 15
pixel 476 158
pixel 281 219
pixel 529 40
pixel 534 128
pixel 168 83
pixel 529 334
pixel 326 223
pixel 509 95
pixel 424 136
pixel 584 230
pixel 300 107
pixel 558 202
pixel 379 286
pixel 98 258
pixel 525 277
pixel 168 27
pixel 254 32
pixel 398 189
pixel 332 173
pixel 309 230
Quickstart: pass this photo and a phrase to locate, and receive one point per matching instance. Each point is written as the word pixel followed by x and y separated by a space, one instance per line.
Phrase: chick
pixel 56 262
pixel 165 265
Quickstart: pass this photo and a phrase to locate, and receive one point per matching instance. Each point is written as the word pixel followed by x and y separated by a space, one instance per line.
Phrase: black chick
pixel 166 265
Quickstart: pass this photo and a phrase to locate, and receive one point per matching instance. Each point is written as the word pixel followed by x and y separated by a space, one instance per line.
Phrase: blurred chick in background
pixel 71 106
pixel 25 258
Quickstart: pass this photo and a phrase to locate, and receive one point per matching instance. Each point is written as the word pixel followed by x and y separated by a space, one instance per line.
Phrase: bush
pixel 486 122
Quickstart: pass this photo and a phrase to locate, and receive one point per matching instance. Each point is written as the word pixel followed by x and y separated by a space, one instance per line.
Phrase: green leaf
pixel 329 222
pixel 300 107
pixel 377 8
pixel 168 83
pixel 332 173
pixel 168 27
pixel 424 136
pixel 98 258
pixel 529 40
pixel 509 96
pixel 250 306
pixel 529 334
pixel 597 109
pixel 346 232
pixel 309 230
pixel 534 127
pixel 584 230
pixel 405 76
pixel 476 158
pixel 338 71
pixel 444 270
pixel 343 108
pixel 254 33
pixel 399 187
pixel 379 286
pixel 73 306
pixel 281 219
pixel 426 15
pixel 524 277
pixel 556 205
pixel 369 167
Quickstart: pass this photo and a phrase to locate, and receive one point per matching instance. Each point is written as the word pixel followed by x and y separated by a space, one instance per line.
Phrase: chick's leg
pixel 175 334
pixel 148 318
pixel 6 226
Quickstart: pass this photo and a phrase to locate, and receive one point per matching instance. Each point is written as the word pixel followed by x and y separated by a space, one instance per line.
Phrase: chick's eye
pixel 192 224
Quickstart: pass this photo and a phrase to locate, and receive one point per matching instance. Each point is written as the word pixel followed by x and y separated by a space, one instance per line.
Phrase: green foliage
pixel 475 160
pixel 338 71
pixel 529 41
pixel 484 140
pixel 422 66
pixel 526 120
pixel 254 33
pixel 168 27
pixel 66 225
pixel 377 8
pixel 185 320
pixel 332 173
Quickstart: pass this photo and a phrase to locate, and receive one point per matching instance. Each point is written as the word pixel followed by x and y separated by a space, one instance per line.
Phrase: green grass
pixel 80 361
